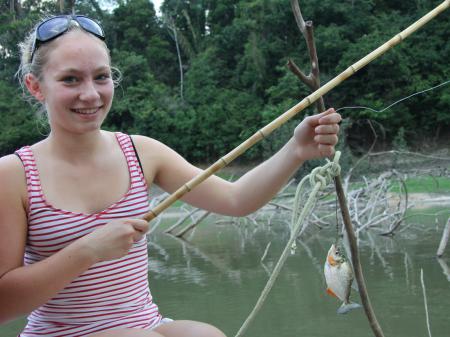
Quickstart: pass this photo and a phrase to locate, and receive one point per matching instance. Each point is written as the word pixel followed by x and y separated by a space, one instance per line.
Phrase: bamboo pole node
pixel 222 159
pixel 262 133
pixel 186 186
pixel 152 214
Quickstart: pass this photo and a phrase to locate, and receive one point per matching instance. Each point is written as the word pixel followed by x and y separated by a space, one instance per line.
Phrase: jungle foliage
pixel 228 76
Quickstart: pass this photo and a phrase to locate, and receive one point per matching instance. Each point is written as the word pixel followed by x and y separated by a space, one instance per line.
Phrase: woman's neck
pixel 76 148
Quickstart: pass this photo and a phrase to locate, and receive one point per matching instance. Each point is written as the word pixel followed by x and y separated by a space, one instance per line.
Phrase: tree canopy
pixel 205 74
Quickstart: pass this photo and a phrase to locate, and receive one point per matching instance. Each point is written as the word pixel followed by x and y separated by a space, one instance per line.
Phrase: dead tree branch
pixel 376 328
pixel 313 79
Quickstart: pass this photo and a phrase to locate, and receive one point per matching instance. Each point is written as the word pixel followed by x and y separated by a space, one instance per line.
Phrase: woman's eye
pixel 69 79
pixel 103 77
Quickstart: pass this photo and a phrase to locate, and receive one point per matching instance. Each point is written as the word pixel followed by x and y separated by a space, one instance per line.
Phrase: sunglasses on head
pixel 58 25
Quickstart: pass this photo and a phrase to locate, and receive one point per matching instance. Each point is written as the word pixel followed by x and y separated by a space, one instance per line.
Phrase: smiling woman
pixel 72 246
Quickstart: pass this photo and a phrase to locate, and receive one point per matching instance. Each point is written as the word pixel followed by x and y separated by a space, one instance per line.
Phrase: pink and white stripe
pixel 110 294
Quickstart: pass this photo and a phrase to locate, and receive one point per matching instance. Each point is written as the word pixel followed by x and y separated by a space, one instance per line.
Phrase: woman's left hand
pixel 317 135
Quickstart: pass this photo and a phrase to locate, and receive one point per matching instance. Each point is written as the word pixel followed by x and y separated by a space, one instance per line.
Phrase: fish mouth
pixel 332 261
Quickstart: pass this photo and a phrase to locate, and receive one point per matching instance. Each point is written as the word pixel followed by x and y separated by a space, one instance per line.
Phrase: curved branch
pixel 298 16
pixel 313 79
pixel 297 72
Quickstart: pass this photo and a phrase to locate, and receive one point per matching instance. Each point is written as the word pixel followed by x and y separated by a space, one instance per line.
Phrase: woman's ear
pixel 34 87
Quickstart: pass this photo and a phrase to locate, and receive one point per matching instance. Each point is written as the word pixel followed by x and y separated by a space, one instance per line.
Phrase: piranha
pixel 339 278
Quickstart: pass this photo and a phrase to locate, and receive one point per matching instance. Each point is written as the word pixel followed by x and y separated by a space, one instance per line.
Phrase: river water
pixel 216 276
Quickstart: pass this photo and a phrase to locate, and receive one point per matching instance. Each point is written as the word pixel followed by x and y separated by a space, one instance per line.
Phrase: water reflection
pixel 216 275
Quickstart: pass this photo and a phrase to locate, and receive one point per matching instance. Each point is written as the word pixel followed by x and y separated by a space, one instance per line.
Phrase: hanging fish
pixel 339 278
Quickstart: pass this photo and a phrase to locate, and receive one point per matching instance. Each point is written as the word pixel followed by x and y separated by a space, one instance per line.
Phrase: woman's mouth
pixel 86 111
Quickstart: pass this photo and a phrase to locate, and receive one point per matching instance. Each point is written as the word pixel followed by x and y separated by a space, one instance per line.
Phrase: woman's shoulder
pixel 147 143
pixel 12 175
pixel 10 165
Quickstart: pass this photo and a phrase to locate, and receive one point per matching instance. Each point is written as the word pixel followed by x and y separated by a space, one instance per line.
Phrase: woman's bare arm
pixel 315 137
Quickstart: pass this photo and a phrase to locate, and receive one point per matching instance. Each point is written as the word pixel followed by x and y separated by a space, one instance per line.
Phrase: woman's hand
pixel 316 135
pixel 114 240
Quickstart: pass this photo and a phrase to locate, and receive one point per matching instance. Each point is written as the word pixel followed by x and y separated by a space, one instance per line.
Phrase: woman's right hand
pixel 114 240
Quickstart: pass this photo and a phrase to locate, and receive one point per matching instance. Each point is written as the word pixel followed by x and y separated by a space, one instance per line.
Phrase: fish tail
pixel 346 307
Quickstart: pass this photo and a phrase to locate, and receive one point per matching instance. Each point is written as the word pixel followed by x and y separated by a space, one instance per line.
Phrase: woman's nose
pixel 89 91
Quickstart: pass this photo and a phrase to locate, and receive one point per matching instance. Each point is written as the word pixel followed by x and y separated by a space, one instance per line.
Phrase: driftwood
pixel 427 317
pixel 445 268
pixel 181 220
pixel 444 239
pixel 193 224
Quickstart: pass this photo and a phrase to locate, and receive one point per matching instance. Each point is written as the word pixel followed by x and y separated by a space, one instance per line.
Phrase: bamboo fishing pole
pixel 282 119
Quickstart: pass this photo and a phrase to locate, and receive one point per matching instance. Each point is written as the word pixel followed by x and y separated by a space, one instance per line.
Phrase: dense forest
pixel 203 75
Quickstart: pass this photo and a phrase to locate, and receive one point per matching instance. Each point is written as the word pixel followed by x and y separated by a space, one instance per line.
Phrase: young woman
pixel 72 244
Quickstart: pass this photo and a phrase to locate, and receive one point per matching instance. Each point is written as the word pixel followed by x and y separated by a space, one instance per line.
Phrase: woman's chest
pixel 86 189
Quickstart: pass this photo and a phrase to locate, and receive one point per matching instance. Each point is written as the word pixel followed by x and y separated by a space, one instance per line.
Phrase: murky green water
pixel 217 278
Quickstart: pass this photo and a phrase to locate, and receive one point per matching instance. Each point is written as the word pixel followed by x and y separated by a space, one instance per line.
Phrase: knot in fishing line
pixel 325 174
pixel 322 175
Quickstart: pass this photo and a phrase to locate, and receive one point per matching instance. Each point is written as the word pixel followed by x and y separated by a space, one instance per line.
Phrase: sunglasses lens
pixel 51 28
pixel 91 26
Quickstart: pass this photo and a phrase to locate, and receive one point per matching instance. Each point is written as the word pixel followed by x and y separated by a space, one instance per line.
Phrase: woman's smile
pixel 86 111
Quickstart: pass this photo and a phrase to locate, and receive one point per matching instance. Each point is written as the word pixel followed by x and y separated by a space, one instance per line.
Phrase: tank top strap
pixel 34 188
pixel 126 144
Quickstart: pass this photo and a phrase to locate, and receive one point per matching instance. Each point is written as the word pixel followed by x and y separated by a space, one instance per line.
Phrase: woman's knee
pixel 187 328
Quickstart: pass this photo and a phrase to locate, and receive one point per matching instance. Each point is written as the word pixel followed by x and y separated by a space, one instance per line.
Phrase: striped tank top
pixel 110 294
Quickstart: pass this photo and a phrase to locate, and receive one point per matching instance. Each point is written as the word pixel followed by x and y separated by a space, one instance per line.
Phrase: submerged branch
pixel 425 302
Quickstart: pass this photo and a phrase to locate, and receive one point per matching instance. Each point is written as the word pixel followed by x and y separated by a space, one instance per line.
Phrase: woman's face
pixel 76 86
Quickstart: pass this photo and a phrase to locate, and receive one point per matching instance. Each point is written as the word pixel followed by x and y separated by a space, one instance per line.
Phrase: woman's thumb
pixel 140 225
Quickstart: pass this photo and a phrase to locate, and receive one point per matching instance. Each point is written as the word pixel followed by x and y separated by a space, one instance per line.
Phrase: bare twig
pixel 277 205
pixel 181 220
pixel 193 224
pixel 425 302
pixel 406 153
pixel 445 268
pixel 265 251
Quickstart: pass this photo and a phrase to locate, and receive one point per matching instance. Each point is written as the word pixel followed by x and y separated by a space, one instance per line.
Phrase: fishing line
pixel 336 241
pixel 396 102
pixel 380 111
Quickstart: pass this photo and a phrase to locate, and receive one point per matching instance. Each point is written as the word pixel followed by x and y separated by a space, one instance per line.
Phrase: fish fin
pixel 346 307
pixel 330 292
